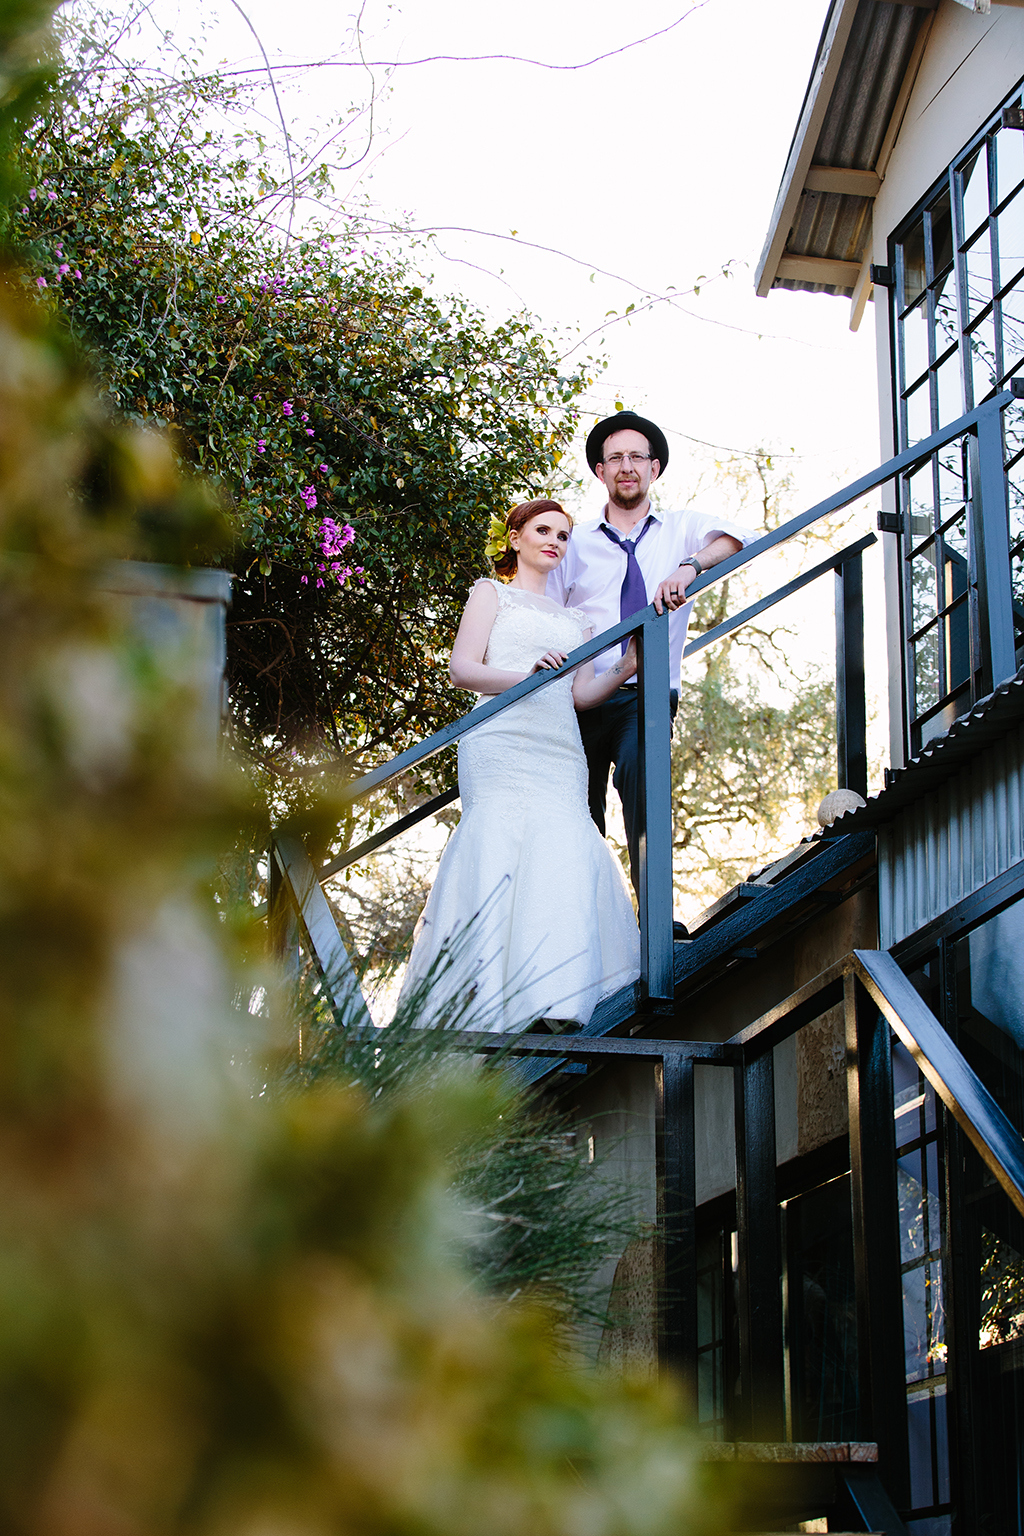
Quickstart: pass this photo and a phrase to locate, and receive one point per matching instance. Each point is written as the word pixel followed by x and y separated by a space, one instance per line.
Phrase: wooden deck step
pixel 797 1453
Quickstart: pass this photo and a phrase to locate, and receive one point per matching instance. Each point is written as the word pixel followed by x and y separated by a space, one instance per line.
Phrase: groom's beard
pixel 628 497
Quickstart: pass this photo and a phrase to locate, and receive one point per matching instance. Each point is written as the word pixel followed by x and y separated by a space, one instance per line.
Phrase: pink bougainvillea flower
pixel 62 269
pixel 40 282
pixel 309 432
pixel 319 581
pixel 78 275
pixel 221 299
pixel 304 416
pixel 261 445
pixel 33 194
pixel 304 580
pixel 322 468
pixel 286 407
pixel 52 196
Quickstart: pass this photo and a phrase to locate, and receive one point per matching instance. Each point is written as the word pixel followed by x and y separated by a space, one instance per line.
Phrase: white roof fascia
pixel 819 92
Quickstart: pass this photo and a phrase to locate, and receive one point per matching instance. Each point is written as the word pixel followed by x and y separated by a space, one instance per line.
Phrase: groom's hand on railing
pixel 671 593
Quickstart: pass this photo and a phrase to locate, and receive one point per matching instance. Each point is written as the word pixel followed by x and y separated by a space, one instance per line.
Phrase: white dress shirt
pixel 590 577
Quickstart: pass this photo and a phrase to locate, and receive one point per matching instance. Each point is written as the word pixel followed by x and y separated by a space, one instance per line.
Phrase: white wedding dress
pixel 530 909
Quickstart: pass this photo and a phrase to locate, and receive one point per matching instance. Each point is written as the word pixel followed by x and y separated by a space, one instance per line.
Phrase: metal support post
pixel 991 547
pixel 677 1179
pixel 851 709
pixel 876 1250
pixel 323 940
pixel 655 873
pixel 763 1408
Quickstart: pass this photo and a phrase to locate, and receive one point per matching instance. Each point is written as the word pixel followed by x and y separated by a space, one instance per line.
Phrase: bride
pixel 529 907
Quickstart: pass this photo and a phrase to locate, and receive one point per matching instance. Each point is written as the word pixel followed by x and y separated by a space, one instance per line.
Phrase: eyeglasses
pixel 615 459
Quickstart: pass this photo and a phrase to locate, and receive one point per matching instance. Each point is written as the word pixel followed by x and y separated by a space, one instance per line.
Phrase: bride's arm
pixel 589 690
pixel 467 666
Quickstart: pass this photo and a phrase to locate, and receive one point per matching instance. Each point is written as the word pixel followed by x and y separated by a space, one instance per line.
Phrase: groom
pixel 633 556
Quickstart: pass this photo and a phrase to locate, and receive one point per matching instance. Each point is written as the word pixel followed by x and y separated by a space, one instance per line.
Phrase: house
pixel 891 1291
pixel 904 185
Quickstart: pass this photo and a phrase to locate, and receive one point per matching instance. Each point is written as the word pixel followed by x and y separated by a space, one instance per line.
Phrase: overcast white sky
pixel 657 164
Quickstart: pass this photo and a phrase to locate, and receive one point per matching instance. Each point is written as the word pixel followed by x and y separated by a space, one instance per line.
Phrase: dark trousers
pixel 611 735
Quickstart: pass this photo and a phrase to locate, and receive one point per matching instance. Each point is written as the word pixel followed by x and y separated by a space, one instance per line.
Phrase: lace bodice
pixel 526 626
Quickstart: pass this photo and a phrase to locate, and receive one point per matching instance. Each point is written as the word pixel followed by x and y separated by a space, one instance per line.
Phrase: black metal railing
pixel 987 595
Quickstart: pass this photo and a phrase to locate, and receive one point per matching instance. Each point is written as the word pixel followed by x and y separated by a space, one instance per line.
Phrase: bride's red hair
pixel 505 565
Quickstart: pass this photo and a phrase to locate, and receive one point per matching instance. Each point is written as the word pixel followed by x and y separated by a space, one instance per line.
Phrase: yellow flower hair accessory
pixel 497 539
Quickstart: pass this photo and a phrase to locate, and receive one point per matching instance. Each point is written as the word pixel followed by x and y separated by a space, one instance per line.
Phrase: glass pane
pixel 991 1024
pixel 1013 433
pixel 955 542
pixel 934 1525
pixel 821 1322
pixel 915 344
pixel 929 1450
pixel 1011 313
pixel 912 251
pixel 1015 489
pixel 975 193
pixel 947 322
pixel 950 393
pixel 926 672
pixel 923 596
pixel 1010 226
pixel 909 1184
pixel 942 235
pixel 957 621
pixel 952 491
pixel 981 345
pixel 1009 161
pixel 992 1235
pixel 919 415
pixel 1002 1292
pixel 924 1322
pixel 979 274
pixel 919 498
pixel 913 1099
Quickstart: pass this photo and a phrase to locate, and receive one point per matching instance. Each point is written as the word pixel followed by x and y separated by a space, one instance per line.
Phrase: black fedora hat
pixel 627 421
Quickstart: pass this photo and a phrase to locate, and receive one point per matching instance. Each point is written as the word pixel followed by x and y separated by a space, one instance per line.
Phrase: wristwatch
pixel 692 560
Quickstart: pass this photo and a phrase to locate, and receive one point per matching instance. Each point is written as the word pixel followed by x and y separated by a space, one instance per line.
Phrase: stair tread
pixel 787 1453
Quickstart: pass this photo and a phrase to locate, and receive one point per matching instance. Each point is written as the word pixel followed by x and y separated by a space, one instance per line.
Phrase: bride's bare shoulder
pixel 484 596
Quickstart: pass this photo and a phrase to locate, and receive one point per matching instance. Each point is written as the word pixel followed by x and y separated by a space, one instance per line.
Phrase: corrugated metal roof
pixel 855 94
pixel 990 719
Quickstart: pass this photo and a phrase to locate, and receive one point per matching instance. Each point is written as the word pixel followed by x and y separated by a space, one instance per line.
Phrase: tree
pixel 361 429
pixel 754 746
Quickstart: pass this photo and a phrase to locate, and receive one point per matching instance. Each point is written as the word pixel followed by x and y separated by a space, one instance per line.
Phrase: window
pixel 958 312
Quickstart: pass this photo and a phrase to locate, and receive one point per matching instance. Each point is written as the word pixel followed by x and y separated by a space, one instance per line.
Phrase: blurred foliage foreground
pixel 222 1308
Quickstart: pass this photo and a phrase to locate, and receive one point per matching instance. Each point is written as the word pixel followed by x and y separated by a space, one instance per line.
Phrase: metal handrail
pixel 651 631
pixel 959 1087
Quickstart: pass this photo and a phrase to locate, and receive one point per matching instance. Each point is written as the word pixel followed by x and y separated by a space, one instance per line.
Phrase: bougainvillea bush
pixel 362 429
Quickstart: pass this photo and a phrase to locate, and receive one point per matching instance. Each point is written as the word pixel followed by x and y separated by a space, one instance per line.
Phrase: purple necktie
pixel 633 595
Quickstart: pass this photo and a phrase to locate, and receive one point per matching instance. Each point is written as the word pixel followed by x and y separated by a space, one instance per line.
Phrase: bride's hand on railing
pixel 549 662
